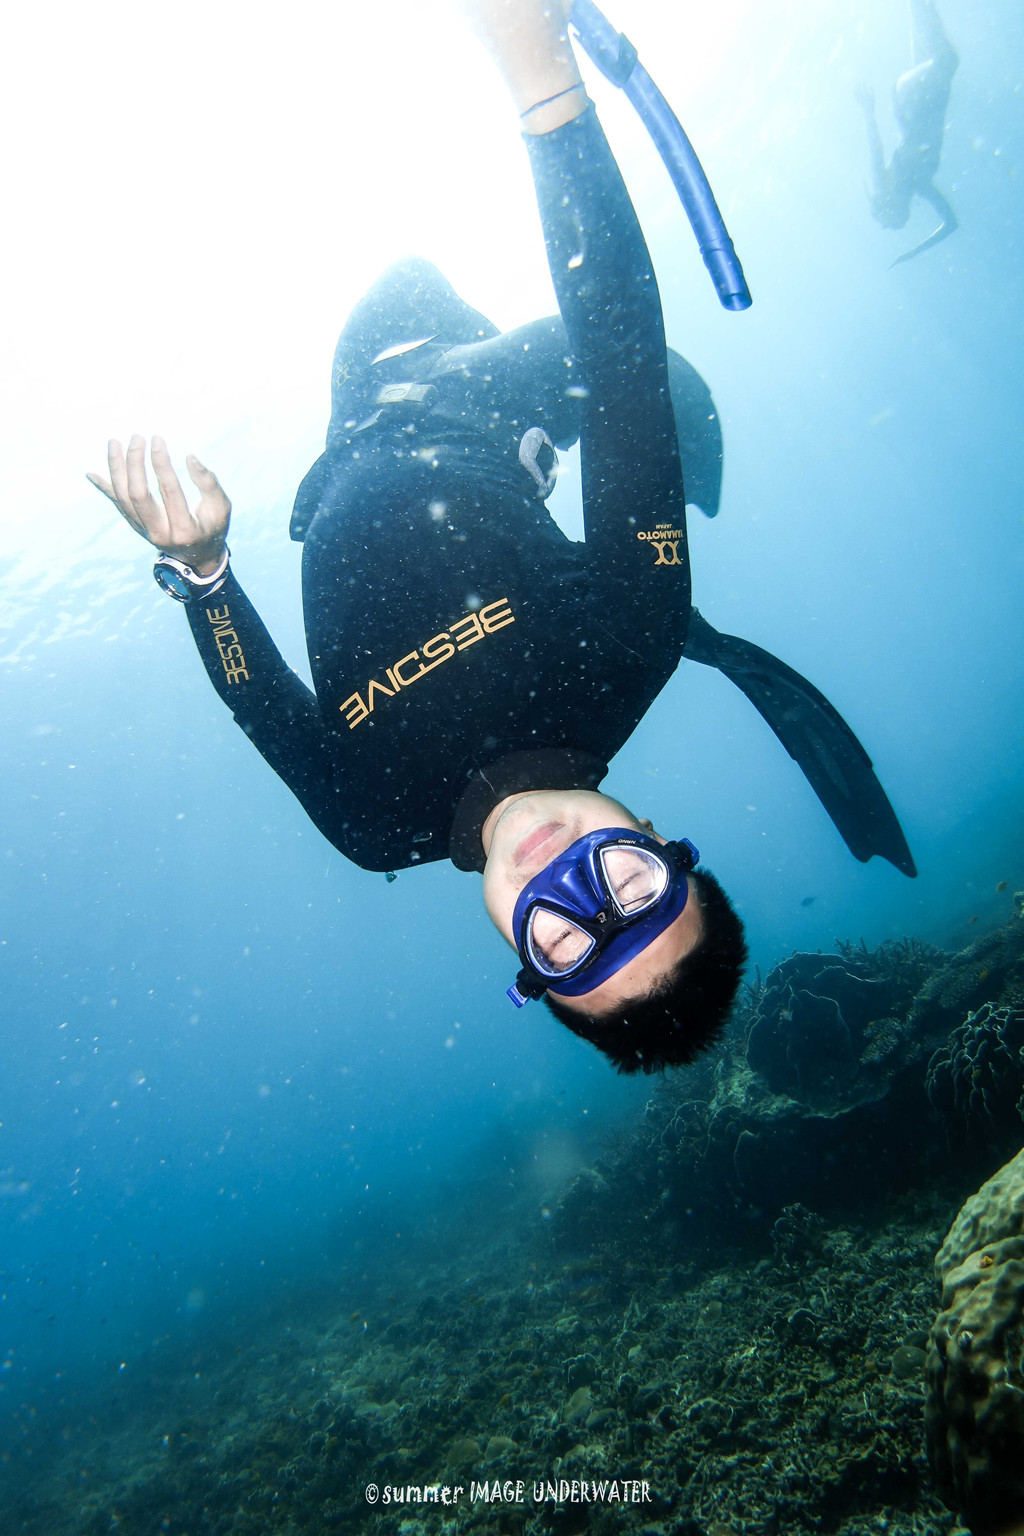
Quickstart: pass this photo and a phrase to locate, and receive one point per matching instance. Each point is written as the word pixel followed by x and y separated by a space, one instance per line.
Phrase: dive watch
pixel 184 584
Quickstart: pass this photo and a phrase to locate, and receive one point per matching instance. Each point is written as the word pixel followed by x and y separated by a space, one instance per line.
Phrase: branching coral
pixel 977 1077
pixel 813 1023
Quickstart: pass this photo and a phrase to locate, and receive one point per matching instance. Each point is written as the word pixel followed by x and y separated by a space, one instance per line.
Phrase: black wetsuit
pixel 461 647
pixel 449 621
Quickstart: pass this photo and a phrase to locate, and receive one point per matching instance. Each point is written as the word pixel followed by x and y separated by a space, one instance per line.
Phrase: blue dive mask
pixel 588 912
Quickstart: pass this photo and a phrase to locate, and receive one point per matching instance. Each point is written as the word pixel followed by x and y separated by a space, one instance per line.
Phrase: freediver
pixel 920 101
pixel 474 669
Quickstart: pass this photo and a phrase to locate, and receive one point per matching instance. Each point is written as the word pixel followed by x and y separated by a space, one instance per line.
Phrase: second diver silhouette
pixel 920 100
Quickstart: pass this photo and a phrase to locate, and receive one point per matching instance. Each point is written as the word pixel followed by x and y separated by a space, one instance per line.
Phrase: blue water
pixel 231 1061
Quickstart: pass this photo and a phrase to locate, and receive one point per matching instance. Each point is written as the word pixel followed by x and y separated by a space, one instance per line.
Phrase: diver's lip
pixel 536 840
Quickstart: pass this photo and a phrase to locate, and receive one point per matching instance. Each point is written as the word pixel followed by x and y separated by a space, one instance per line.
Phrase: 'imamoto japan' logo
pixel 458 637
pixel 666 542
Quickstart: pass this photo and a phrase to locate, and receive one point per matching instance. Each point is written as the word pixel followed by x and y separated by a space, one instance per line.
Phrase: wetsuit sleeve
pixel 633 498
pixel 274 708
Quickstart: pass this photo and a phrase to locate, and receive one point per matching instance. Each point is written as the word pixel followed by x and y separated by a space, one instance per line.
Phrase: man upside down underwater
pixel 474 670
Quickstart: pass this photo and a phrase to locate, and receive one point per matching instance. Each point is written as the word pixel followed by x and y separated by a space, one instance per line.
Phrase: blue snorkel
pixel 616 58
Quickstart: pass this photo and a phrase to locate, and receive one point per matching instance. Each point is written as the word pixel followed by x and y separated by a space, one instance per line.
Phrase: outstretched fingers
pixel 136 483
pixel 116 488
pixel 165 520
pixel 205 480
pixel 134 496
pixel 101 485
pixel 181 525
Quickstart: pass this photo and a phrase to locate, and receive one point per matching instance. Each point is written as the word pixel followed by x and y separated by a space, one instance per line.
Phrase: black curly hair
pixel 686 1010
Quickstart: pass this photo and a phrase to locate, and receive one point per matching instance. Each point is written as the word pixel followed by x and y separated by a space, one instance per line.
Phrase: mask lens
pixel 636 877
pixel 554 943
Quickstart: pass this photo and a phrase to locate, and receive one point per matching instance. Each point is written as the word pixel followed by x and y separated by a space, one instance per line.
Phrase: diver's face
pixel 525 832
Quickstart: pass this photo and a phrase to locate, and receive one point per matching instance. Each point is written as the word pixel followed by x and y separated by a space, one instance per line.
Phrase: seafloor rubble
pixel 774 1394
pixel 730 1307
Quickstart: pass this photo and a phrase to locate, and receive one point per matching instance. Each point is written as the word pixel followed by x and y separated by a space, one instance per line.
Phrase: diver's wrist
pixel 186 582
pixel 212 565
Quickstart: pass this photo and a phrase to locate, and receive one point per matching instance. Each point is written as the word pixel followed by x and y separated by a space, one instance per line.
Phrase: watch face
pixel 172 581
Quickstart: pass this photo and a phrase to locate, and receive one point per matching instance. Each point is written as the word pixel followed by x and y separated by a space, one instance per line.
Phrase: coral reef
pixel 789 1116
pixel 782 1394
pixel 826 1026
pixel 975 1410
pixel 988 971
pixel 976 1078
pixel 731 1303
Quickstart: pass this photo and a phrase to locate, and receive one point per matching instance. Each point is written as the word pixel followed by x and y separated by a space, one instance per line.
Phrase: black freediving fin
pixel 948 227
pixel 813 733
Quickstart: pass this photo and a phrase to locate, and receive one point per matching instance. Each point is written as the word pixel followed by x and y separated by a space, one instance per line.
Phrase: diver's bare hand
pixel 528 40
pixel 197 537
